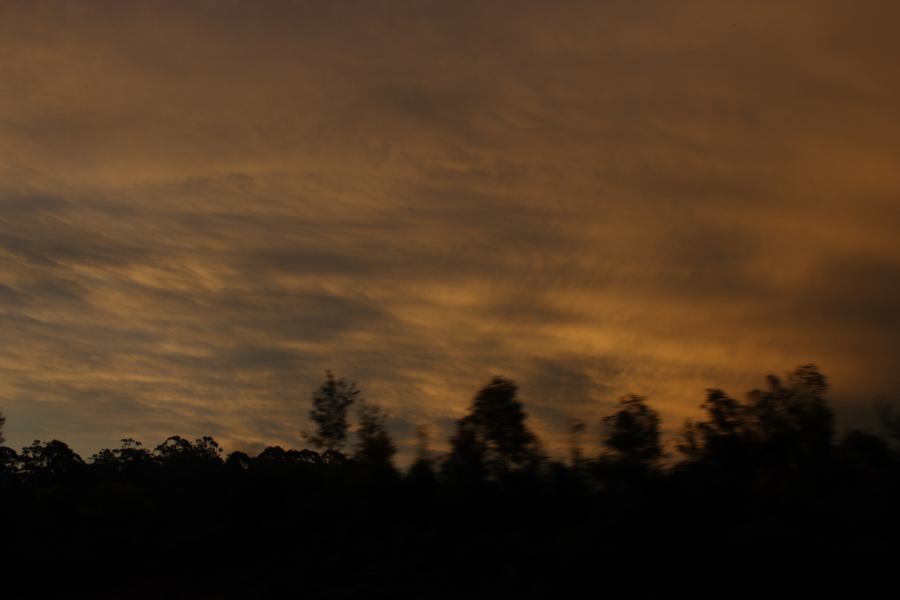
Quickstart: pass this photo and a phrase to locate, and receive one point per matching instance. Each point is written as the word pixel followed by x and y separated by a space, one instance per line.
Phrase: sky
pixel 205 205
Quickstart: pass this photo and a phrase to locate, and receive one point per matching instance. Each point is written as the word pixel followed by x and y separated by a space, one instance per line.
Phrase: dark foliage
pixel 767 502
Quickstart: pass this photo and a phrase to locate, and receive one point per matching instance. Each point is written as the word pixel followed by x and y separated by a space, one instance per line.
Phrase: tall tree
pixel 329 413
pixel 493 439
pixel 2 423
pixel 631 433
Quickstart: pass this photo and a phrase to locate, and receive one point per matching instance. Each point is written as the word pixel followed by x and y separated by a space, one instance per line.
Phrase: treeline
pixel 764 498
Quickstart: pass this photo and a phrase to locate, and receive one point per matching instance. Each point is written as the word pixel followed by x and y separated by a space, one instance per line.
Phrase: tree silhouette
pixel 208 449
pixel 330 403
pixel 180 453
pixel 787 425
pixel 577 427
pixel 791 422
pixel 493 439
pixel 423 442
pixel 631 433
pixel 129 457
pixel 2 423
pixel 131 452
pixel 466 462
pixel 723 435
pixel 49 460
pixel 238 462
pixel 9 465
pixel 375 447
pixel 765 502
pixel 865 452
pixel 890 421
pixel 422 469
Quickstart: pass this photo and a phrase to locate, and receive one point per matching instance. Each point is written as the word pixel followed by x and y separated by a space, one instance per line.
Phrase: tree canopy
pixel 631 433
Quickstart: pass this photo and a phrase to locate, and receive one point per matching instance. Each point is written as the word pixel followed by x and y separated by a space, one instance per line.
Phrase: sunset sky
pixel 205 205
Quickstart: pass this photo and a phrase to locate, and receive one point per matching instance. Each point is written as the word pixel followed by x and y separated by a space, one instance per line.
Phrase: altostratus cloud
pixel 205 205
